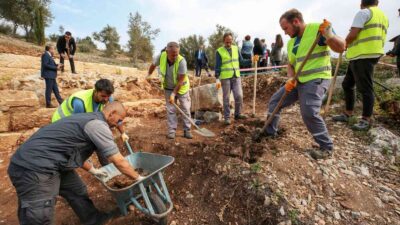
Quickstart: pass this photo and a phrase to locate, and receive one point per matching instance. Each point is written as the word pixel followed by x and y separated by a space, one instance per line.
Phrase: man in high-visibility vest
pixel 86 101
pixel 365 43
pixel 313 80
pixel 175 83
pixel 227 66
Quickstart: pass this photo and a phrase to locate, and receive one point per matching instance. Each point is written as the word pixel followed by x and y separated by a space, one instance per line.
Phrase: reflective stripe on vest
pixel 65 109
pixel 164 67
pixel 229 63
pixel 371 39
pixel 318 65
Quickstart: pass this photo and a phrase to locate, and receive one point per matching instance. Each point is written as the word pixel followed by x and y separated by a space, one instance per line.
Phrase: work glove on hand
pixel 172 98
pixel 290 85
pixel 325 28
pixel 256 58
pixel 124 137
pixel 218 84
pixel 102 175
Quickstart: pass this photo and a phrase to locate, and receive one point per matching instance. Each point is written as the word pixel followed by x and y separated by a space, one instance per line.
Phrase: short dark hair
pixel 369 2
pixel 292 14
pixel 226 35
pixel 68 33
pixel 47 47
pixel 104 85
pixel 247 38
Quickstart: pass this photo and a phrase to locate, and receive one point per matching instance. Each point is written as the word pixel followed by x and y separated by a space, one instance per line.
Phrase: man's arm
pixel 218 62
pixel 151 69
pixel 78 106
pixel 46 59
pixel 179 84
pixel 290 71
pixel 337 44
pixel 123 165
pixel 73 43
pixel 354 31
pixel 60 47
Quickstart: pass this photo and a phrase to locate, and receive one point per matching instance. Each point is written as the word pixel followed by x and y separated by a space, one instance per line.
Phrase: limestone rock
pixel 13 98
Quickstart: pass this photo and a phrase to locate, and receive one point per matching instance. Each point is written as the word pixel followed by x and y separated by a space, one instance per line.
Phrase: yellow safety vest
pixel 66 108
pixel 371 39
pixel 229 64
pixel 319 63
pixel 163 69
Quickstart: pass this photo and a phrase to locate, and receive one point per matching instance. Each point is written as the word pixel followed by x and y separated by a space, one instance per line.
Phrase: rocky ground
pixel 223 180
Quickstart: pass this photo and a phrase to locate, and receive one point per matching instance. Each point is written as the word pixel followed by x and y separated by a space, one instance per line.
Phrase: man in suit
pixel 201 61
pixel 49 74
pixel 66 47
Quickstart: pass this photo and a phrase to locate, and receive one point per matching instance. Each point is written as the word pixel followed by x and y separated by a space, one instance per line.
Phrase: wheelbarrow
pixel 149 195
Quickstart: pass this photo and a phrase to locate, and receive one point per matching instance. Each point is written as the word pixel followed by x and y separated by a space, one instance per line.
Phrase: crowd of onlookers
pixel 259 47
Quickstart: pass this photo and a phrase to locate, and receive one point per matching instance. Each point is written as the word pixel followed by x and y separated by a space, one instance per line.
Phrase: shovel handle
pixel 186 116
pixel 332 86
pixel 271 117
pixel 255 89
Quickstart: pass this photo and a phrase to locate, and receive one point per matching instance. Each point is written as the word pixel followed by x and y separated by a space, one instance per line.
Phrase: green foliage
pixel 255 167
pixel 110 38
pixel 85 44
pixel 140 35
pixel 61 29
pixel 53 37
pixel 188 46
pixel 294 216
pixel 23 13
pixel 39 26
pixel 6 29
pixel 215 41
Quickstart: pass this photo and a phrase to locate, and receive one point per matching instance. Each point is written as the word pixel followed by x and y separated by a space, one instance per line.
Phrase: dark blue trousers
pixel 51 86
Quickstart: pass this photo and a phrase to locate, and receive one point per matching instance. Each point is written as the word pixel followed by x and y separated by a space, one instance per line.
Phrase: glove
pixel 326 29
pixel 218 84
pixel 102 175
pixel 124 137
pixel 256 58
pixel 290 85
pixel 172 98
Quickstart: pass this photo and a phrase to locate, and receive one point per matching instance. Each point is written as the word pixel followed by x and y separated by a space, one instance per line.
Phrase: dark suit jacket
pixel 61 42
pixel 49 67
pixel 204 58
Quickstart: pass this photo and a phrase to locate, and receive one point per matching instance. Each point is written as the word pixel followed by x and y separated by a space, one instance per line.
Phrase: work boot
pixel 320 153
pixel 227 122
pixel 105 217
pixel 259 134
pixel 171 135
pixel 341 118
pixel 240 117
pixel 362 125
pixel 187 134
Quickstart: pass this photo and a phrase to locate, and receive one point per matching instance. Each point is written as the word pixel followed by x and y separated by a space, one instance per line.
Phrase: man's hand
pixel 290 85
pixel 124 137
pixel 218 84
pixel 71 56
pixel 59 66
pixel 326 29
pixel 102 175
pixel 172 98
pixel 62 55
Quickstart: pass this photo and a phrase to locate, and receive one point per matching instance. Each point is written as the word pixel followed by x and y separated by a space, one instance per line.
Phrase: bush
pixel 53 37
pixel 6 29
pixel 85 44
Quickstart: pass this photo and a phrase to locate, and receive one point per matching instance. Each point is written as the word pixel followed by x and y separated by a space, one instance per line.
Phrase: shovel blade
pixel 205 132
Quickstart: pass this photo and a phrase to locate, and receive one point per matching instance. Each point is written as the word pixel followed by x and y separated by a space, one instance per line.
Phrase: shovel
pixel 255 86
pixel 278 106
pixel 332 87
pixel 202 131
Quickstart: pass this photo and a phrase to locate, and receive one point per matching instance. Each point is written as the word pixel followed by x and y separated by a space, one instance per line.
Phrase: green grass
pixel 255 167
pixel 294 216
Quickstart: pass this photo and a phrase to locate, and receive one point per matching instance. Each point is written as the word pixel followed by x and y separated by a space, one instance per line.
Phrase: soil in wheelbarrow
pixel 122 181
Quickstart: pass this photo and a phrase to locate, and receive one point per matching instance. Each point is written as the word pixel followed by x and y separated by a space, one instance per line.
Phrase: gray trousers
pixel 37 194
pixel 233 84
pixel 172 119
pixel 310 95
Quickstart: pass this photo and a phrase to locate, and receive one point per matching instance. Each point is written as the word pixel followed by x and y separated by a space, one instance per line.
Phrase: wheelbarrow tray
pixel 153 165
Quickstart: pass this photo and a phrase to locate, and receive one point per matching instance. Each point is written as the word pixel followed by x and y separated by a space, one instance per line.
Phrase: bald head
pixel 114 113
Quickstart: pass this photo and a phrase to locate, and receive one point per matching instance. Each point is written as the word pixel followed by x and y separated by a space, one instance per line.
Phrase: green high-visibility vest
pixel 319 63
pixel 163 70
pixel 66 108
pixel 371 39
pixel 229 63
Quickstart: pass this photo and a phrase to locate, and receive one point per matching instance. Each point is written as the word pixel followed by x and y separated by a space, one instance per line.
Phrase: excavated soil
pixel 122 181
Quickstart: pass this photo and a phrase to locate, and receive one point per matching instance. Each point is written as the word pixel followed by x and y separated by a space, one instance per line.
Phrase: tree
pixel 188 46
pixel 22 13
pixel 39 26
pixel 61 29
pixel 86 44
pixel 140 35
pixel 215 41
pixel 110 38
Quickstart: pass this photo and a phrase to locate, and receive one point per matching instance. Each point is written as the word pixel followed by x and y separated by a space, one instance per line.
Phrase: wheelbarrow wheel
pixel 159 207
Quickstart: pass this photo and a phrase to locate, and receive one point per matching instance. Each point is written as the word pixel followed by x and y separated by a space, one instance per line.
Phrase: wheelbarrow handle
pixel 129 147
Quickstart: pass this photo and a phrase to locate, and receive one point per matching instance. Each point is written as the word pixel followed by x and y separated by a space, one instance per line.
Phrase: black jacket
pixel 48 68
pixel 203 56
pixel 61 42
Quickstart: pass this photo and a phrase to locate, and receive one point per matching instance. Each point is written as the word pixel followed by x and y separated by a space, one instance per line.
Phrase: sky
pixel 180 18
